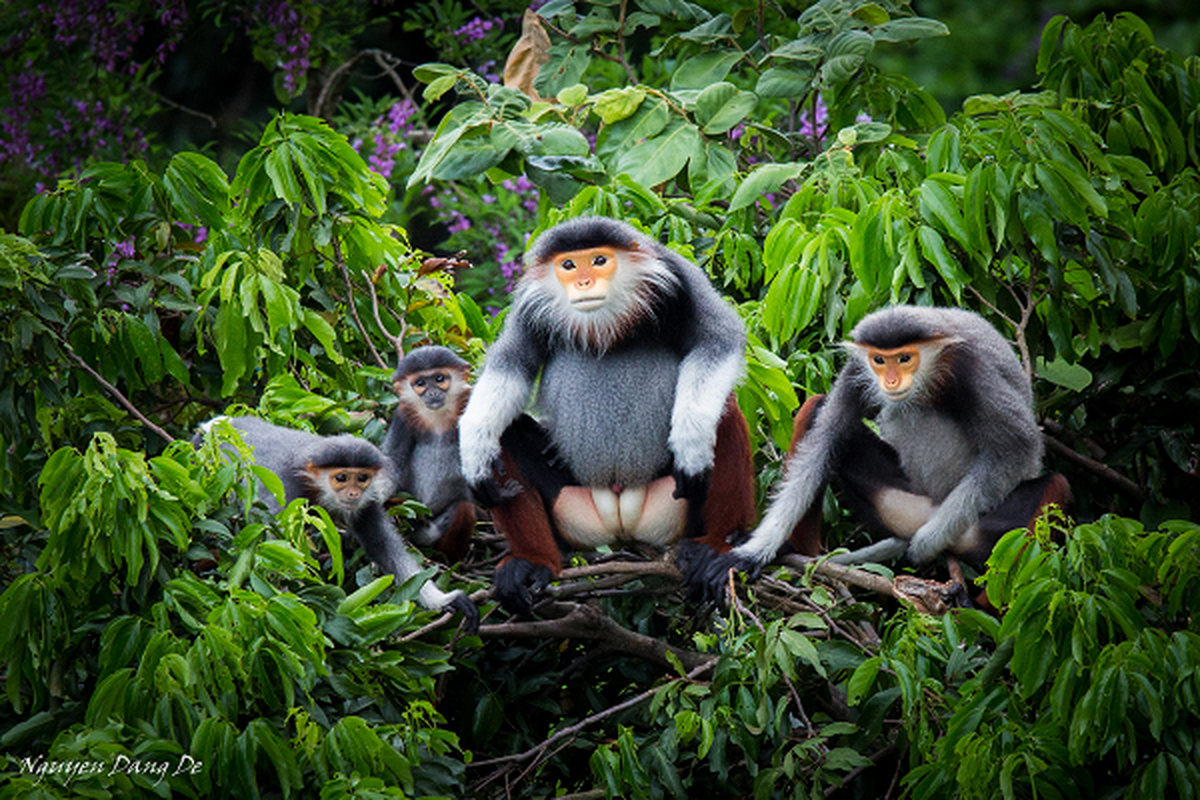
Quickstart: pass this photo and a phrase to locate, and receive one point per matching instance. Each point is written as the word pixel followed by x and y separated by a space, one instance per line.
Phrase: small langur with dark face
pixel 637 436
pixel 350 478
pixel 422 441
pixel 955 465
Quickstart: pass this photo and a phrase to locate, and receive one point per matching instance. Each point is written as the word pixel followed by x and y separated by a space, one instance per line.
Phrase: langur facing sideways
pixel 422 441
pixel 637 437
pixel 350 478
pixel 957 461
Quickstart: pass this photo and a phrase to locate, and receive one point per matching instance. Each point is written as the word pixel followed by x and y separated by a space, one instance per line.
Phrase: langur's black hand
pixel 462 603
pixel 518 582
pixel 689 486
pixel 706 573
pixel 493 491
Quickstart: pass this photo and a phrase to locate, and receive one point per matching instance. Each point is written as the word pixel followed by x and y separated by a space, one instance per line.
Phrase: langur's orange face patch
pixel 586 275
pixel 895 369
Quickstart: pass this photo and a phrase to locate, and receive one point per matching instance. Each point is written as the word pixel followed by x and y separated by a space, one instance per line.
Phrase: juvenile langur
pixel 955 465
pixel 637 437
pixel 350 478
pixel 422 441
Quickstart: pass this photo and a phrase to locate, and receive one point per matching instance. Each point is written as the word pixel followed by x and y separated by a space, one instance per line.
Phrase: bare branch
pixel 397 341
pixel 572 731
pixel 1095 467
pixel 115 392
pixel 582 621
pixel 341 262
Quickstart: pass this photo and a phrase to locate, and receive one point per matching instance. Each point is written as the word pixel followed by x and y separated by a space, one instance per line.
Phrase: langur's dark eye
pixel 599 261
pixel 419 382
pixel 905 358
pixel 440 378
pixel 879 359
pixel 567 264
pixel 340 477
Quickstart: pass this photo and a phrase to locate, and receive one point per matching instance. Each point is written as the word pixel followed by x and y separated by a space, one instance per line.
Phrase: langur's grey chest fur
pixel 933 451
pixel 610 415
pixel 436 472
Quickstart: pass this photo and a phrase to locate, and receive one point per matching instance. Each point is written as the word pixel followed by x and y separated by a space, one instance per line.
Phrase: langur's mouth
pixel 435 403
pixel 587 303
pixel 900 394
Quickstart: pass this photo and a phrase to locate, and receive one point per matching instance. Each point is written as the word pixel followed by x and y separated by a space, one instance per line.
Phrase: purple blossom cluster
pixel 478 28
pixel 815 129
pixel 387 136
pixel 291 40
pixel 44 132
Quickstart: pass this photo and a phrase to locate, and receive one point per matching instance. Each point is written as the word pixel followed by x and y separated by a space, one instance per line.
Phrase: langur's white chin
pixel 899 395
pixel 587 303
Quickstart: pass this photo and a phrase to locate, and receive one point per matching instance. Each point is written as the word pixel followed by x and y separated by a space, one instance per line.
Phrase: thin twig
pixel 397 341
pixel 573 730
pixel 115 392
pixel 1095 467
pixel 341 262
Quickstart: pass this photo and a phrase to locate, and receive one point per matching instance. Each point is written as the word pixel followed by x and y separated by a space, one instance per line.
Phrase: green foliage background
pixel 152 614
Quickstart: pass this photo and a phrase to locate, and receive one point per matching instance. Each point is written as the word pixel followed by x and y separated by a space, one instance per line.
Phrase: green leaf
pixel 657 160
pixel 614 105
pixel 907 29
pixel 722 106
pixel 648 121
pixel 763 179
pixel 565 67
pixel 704 70
pixel 934 249
pixel 792 81
pixel 938 204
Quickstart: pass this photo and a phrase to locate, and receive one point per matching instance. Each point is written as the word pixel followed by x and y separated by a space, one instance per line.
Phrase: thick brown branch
pixel 581 621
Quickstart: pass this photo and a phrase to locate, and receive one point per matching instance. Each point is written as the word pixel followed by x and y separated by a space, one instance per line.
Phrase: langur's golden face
pixel 895 369
pixel 586 276
pixel 347 487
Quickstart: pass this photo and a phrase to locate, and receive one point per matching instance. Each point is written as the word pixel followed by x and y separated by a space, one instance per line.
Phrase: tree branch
pixel 115 392
pixel 573 730
pixel 1095 467
pixel 582 621
pixel 341 262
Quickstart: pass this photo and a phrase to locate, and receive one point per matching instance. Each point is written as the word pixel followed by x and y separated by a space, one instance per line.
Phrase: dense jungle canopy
pixel 244 207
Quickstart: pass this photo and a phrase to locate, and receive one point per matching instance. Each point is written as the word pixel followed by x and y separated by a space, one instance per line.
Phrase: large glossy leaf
pixel 721 106
pixel 704 70
pixel 657 160
pixel 763 179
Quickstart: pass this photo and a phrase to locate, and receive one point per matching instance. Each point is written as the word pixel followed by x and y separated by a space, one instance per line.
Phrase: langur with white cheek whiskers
pixel 955 465
pixel 637 434
pixel 350 478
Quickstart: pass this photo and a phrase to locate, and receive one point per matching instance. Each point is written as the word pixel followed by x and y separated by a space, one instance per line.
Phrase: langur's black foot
pixel 518 582
pixel 462 603
pixel 706 573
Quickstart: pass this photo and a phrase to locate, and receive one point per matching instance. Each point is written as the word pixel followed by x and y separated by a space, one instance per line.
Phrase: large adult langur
pixel 422 441
pixel 637 435
pixel 955 465
pixel 350 478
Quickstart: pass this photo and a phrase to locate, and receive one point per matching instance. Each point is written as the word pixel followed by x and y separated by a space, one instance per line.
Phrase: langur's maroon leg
pixel 729 510
pixel 457 536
